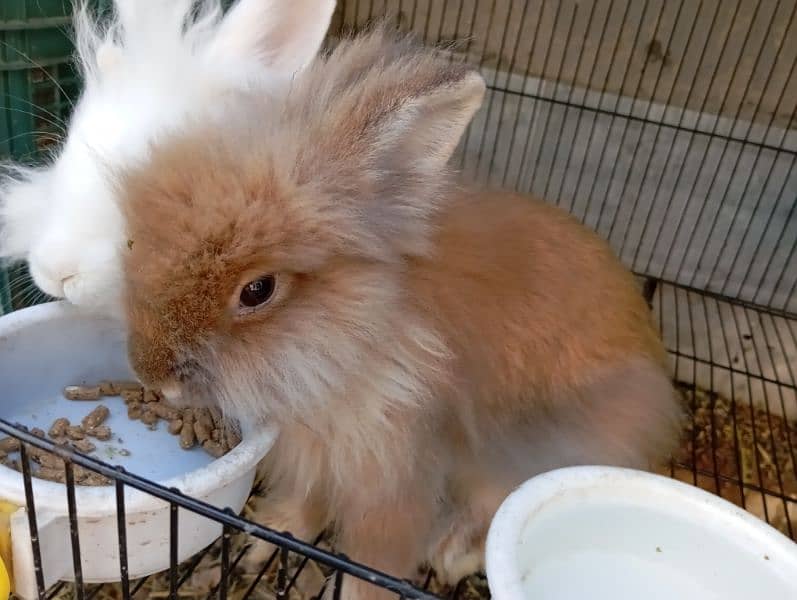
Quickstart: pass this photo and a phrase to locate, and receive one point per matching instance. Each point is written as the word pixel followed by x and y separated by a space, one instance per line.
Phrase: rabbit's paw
pixel 281 516
pixel 458 554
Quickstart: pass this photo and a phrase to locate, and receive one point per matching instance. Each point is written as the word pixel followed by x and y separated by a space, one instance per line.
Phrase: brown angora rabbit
pixel 423 348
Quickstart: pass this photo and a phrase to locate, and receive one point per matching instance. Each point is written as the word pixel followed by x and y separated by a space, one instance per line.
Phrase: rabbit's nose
pixel 52 265
pixel 50 279
pixel 152 360
pixel 172 391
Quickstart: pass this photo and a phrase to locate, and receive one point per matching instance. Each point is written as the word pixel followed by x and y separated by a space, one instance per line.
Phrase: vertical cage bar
pixel 282 574
pixel 768 415
pixel 573 85
pixel 173 547
pixel 649 290
pixel 414 13
pixel 648 111
pixel 250 590
pixel 555 88
pixel 754 427
pixel 713 401
pixel 302 565
pixel 73 530
pixel 338 585
pixel 599 103
pixel 510 70
pixel 793 380
pixel 734 408
pixel 727 189
pixel 225 563
pixel 625 124
pixel 623 82
pixel 763 273
pixel 494 85
pixel 692 341
pixel 534 108
pixel 793 287
pixel 121 527
pixel 685 159
pixel 443 19
pixel 712 133
pixel 33 528
pixel 526 75
pixel 482 58
pixel 726 143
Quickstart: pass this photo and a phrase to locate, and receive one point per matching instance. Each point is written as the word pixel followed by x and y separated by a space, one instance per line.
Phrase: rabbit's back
pixel 528 298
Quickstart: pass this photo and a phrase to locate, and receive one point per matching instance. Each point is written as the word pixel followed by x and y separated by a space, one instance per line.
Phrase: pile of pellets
pixel 51 467
pixel 203 427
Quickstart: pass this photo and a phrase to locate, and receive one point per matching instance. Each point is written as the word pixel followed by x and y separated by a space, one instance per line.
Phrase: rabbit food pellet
pixel 101 432
pixel 130 396
pixel 82 392
pixel 75 432
pixel 149 417
pixel 134 411
pixel 95 418
pixel 84 446
pixel 202 426
pixel 58 428
pixel 187 435
pixel 50 466
pixel 9 445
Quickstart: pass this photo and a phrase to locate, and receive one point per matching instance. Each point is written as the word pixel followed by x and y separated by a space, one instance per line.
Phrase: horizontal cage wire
pixel 669 128
pixel 282 570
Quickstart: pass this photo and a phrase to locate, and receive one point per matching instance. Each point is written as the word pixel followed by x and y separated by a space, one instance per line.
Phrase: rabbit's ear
pixel 284 35
pixel 422 132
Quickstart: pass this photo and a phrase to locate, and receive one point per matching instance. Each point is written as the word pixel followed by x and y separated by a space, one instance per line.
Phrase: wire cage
pixel 667 126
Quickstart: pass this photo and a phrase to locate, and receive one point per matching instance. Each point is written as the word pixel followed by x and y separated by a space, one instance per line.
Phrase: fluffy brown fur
pixel 428 348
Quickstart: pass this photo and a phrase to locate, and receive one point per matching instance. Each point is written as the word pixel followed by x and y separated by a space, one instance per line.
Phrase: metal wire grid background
pixel 668 126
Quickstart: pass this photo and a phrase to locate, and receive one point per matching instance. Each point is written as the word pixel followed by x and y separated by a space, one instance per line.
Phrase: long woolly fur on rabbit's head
pixel 330 190
pixel 146 67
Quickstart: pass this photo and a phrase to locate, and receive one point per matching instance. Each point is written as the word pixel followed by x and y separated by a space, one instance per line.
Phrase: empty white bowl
pixel 46 347
pixel 608 533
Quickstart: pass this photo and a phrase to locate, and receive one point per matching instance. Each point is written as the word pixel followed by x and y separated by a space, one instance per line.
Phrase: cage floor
pixel 735 367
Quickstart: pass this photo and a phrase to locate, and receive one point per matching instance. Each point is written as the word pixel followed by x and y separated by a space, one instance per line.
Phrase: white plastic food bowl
pixel 46 347
pixel 609 533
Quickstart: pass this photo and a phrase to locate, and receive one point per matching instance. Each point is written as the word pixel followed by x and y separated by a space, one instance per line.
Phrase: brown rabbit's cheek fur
pixel 311 352
pixel 169 325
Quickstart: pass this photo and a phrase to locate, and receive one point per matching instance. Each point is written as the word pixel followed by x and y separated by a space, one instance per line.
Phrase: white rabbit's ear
pixel 284 35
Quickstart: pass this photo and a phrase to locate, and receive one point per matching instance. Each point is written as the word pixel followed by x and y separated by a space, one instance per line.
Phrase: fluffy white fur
pixel 152 65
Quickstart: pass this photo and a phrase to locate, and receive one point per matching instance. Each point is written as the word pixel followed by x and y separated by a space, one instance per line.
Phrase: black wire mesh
pixel 336 565
pixel 669 128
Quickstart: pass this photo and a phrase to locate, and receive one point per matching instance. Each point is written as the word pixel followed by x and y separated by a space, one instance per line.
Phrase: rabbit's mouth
pixel 189 385
pixel 173 392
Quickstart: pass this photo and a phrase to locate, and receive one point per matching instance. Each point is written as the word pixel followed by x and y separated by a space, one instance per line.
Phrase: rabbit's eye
pixel 257 292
